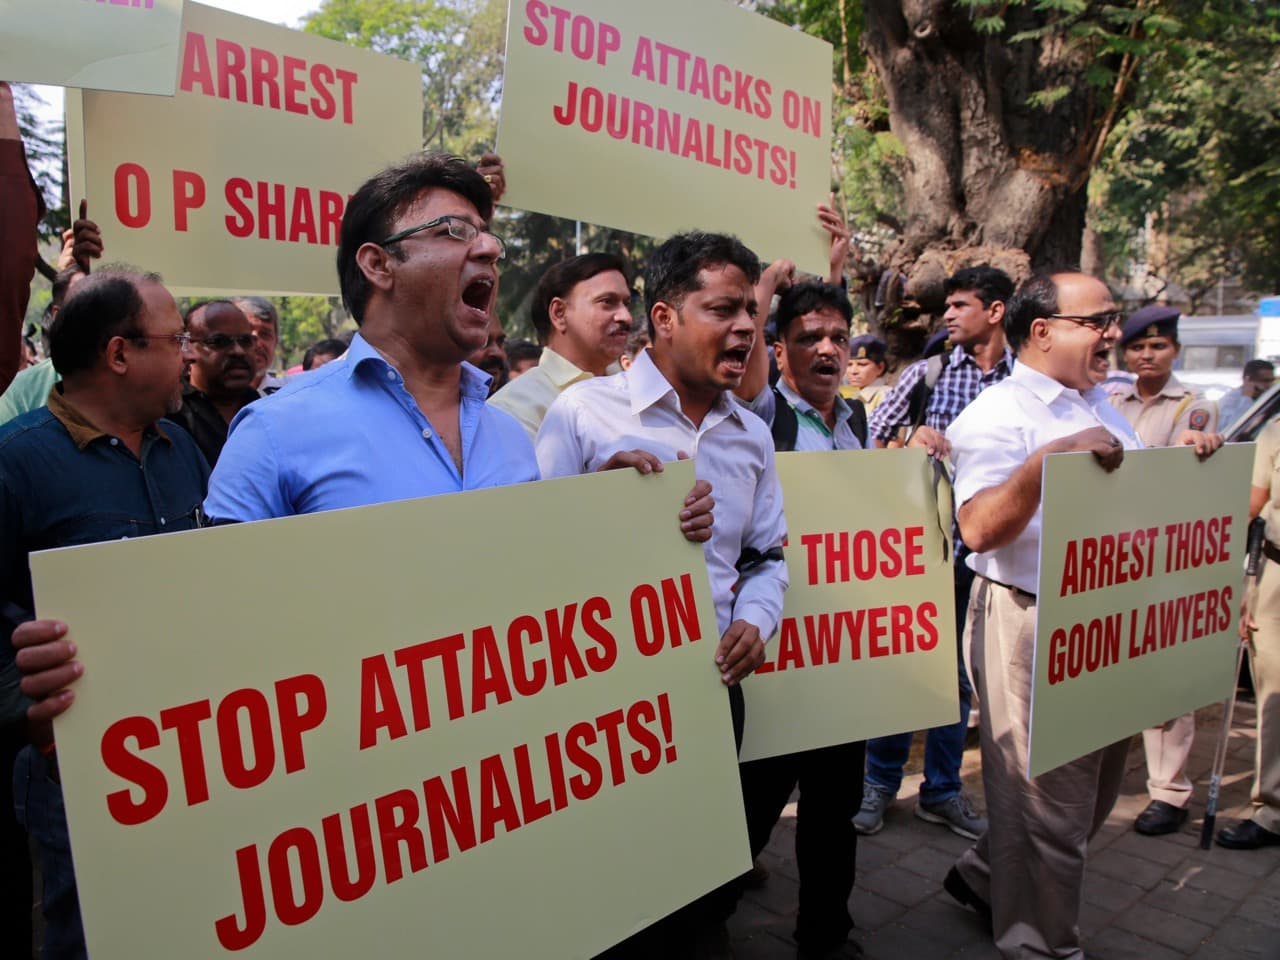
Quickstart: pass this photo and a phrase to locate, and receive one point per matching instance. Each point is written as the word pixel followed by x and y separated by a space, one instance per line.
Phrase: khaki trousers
pixel 1029 865
pixel 1264 660
pixel 1167 748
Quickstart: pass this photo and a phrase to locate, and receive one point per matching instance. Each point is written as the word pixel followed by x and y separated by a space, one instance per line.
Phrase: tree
pixel 1002 110
pixel 1194 167
pixel 457 43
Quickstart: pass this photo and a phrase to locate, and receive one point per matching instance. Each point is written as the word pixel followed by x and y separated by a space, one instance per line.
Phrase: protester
pixel 265 323
pixel 1162 411
pixel 1025 872
pixel 221 376
pixel 675 401
pixel 864 373
pixel 805 411
pixel 927 397
pixel 637 341
pixel 522 356
pixel 492 357
pixel 582 314
pixel 1257 378
pixel 97 463
pixel 1262 829
pixel 322 352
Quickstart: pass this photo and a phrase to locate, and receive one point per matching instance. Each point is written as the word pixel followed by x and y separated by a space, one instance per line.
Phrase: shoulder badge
pixel 1198 420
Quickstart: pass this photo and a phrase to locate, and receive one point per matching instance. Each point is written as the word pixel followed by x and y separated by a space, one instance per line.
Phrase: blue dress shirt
pixel 349 434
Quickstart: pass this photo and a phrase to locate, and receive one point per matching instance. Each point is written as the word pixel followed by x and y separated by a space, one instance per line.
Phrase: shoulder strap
pixel 858 420
pixel 785 426
pixel 922 392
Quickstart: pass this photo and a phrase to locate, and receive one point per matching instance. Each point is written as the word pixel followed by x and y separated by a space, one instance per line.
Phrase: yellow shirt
pixel 529 395
pixel 1159 420
pixel 870 395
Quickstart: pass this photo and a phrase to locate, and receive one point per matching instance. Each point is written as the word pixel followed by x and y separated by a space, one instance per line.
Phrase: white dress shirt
pixel 999 431
pixel 732 449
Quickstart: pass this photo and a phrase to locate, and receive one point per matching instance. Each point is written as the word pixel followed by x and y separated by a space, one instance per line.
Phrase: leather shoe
pixel 963 894
pixel 1160 818
pixel 1247 835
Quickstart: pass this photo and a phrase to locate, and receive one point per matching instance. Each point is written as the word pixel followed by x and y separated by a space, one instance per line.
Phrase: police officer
pixel 1263 829
pixel 1161 410
pixel 864 376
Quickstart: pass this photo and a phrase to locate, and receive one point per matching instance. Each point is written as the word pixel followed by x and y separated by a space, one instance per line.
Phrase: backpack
pixel 922 391
pixel 786 425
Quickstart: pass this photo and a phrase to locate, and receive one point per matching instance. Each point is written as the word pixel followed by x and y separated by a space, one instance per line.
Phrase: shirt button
pixel 426 434
pixel 115 442
pixel 162 521
pixel 391 374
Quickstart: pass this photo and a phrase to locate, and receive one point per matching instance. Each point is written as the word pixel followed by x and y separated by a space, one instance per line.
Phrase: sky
pixel 287 12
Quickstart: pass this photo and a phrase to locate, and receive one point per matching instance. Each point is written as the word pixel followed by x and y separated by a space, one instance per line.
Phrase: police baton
pixel 1252 571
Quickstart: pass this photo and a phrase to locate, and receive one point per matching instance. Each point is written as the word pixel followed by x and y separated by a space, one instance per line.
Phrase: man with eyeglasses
pixel 222 373
pixel 97 463
pixel 1025 872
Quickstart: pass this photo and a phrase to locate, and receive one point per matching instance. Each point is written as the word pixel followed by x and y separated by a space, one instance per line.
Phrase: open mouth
pixel 478 293
pixel 735 359
pixel 825 368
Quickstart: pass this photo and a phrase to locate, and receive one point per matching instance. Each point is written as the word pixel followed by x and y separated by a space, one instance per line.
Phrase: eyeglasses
pixel 220 341
pixel 1097 321
pixel 183 340
pixel 457 227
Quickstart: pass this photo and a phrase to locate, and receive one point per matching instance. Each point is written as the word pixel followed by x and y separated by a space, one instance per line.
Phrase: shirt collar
pixel 960 356
pixel 559 371
pixel 1043 386
pixel 475 382
pixel 648 387
pixel 842 410
pixel 1174 389
pixel 83 431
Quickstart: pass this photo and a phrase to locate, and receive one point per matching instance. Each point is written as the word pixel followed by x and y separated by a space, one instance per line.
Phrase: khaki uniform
pixel 1264 656
pixel 870 395
pixel 1159 421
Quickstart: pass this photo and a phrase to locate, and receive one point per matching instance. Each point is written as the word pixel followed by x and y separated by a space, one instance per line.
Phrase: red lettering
pixel 138 213
pixel 129 766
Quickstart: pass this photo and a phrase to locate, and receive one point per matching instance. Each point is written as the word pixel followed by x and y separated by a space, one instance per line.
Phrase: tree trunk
pixel 989 178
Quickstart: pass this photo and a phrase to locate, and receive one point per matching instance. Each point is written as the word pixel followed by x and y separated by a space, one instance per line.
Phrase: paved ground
pixel 1146 898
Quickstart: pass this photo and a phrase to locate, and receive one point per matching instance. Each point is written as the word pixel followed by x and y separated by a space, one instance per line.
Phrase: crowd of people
pixel 153 421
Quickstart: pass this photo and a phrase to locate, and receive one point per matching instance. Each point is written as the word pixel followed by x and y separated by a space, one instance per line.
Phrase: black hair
pixel 105 304
pixel 806 297
pixel 201 304
pixel 61 284
pixel 333 348
pixel 373 208
pixel 1255 367
pixel 988 282
pixel 672 271
pixel 562 277
pixel 520 350
pixel 1037 297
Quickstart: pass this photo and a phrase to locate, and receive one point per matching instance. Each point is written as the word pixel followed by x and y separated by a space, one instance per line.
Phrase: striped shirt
pixel 960 382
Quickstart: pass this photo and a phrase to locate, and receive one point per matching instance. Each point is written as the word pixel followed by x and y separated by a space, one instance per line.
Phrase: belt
pixel 1019 592
pixel 1271 551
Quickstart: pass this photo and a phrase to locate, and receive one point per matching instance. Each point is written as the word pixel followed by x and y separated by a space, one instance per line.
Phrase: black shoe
pixel 963 894
pixel 1247 835
pixel 1160 818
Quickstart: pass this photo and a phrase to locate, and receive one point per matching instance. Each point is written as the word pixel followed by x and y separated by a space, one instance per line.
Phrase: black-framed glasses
pixel 457 227
pixel 222 341
pixel 1098 321
pixel 183 340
